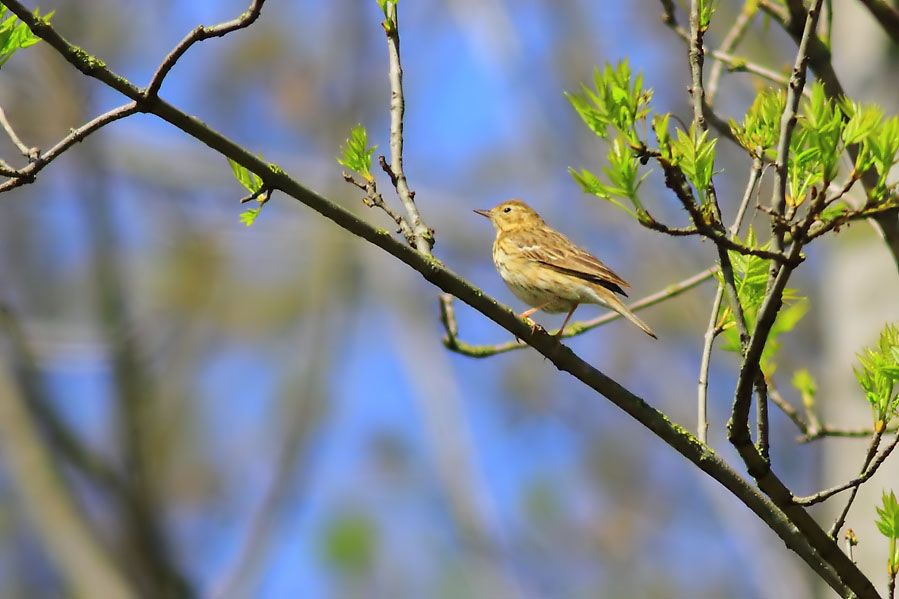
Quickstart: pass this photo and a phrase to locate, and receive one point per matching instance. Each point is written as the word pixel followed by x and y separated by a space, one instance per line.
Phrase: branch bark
pixel 424 237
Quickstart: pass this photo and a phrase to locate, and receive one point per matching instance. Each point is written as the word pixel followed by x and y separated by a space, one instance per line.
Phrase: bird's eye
pixel 507 209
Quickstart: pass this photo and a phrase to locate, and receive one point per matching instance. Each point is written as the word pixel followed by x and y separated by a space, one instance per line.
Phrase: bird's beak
pixel 483 213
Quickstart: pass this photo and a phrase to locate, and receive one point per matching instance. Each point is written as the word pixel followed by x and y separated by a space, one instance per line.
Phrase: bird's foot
pixel 535 327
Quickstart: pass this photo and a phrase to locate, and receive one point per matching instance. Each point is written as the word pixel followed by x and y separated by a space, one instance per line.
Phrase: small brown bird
pixel 544 269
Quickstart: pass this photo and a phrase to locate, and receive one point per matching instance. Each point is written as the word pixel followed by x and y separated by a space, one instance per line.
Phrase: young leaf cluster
pixel 694 153
pixel 624 180
pixel 706 10
pixel 253 184
pixel 355 154
pixel 751 279
pixel 612 108
pixel 617 100
pixel 823 131
pixel 760 129
pixel 15 35
pixel 805 384
pixel 888 525
pixel 878 375
pixel 384 5
pixel 878 140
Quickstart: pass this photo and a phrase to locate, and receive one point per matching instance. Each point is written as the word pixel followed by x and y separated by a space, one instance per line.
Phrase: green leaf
pixel 883 148
pixel 350 544
pixel 660 128
pixel 15 35
pixel 694 153
pixel 817 143
pixel 591 184
pixel 888 525
pixel 245 177
pixel 888 515
pixel 356 154
pixel 248 216
pixel 760 128
pixel 751 281
pixel 623 175
pixel 864 121
pixel 616 100
pixel 806 386
pixel 706 10
pixel 878 375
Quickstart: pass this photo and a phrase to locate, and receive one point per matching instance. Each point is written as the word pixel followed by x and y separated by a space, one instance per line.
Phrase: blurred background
pixel 269 411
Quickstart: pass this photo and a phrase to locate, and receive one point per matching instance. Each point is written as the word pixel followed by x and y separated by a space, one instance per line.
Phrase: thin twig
pixel 788 123
pixel 451 339
pixel 374 199
pixel 712 329
pixel 731 40
pixel 6 170
pixel 787 408
pixel 841 519
pixel 868 469
pixel 792 19
pixel 198 34
pixel 738 427
pixel 813 430
pixel 27 174
pixel 29 153
pixel 734 63
pixel 825 431
pixel 677 182
pixel 762 442
pixel 424 237
pixel 697 57
pixel 887 209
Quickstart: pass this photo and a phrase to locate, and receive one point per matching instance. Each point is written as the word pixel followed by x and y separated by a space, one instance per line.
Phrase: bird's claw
pixel 535 327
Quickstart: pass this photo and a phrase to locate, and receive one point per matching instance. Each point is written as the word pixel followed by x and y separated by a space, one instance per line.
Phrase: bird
pixel 548 272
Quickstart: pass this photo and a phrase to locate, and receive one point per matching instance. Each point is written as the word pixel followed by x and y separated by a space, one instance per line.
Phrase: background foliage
pixel 280 391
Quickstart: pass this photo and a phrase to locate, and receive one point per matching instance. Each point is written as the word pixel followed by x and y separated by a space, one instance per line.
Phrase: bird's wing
pixel 553 250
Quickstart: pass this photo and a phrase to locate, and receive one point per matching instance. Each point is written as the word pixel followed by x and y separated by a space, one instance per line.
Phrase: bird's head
pixel 511 215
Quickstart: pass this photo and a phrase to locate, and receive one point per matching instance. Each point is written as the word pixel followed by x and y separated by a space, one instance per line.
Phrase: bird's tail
pixel 614 303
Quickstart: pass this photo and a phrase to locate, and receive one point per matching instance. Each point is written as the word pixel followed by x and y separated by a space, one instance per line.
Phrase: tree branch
pixel 29 153
pixel 373 199
pixel 27 174
pixel 731 40
pixel 841 519
pixel 712 330
pixel 424 237
pixel 199 34
pixel 788 123
pixel 865 474
pixel 820 63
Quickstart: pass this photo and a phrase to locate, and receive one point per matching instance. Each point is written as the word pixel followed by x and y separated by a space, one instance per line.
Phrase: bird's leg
pixel 567 318
pixel 526 315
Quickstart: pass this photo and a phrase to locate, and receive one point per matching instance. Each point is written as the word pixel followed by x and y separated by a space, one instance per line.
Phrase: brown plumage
pixel 544 269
